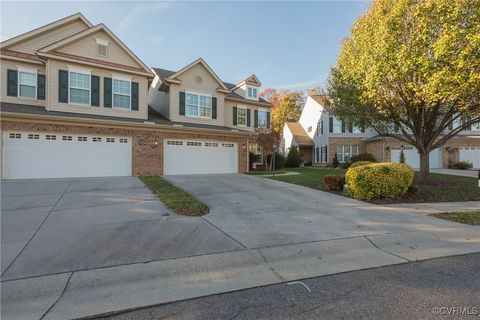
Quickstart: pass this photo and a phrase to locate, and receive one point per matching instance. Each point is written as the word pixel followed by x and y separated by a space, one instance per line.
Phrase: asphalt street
pixel 443 288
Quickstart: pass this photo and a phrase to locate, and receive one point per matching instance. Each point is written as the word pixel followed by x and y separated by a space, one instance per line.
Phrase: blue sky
pixel 286 44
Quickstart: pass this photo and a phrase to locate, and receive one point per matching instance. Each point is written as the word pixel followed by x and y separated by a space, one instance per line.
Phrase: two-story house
pixel 196 96
pixel 74 103
pixel 319 136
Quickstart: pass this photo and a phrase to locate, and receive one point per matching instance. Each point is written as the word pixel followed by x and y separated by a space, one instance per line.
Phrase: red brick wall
pixel 147 157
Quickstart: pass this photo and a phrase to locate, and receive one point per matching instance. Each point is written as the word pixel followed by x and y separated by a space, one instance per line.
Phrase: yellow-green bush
pixel 379 180
pixel 360 163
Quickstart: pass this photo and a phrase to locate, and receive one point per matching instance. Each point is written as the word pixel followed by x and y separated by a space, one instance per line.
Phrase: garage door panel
pixel 199 157
pixel 412 158
pixel 470 154
pixel 41 158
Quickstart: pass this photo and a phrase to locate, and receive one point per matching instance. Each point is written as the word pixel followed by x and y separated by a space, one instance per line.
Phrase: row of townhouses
pixel 77 102
pixel 319 136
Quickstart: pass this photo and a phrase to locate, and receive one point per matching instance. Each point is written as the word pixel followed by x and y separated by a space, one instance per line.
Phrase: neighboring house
pixel 74 103
pixel 329 136
pixel 196 96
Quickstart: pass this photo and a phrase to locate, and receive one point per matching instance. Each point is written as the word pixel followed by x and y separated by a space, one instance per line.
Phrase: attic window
pixel 101 47
pixel 252 92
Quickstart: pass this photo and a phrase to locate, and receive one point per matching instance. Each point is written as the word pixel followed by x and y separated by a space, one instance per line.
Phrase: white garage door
pixel 412 157
pixel 198 157
pixel 471 154
pixel 30 155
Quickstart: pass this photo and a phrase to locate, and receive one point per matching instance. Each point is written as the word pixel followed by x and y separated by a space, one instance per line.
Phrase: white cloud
pixel 316 81
pixel 157 39
pixel 138 12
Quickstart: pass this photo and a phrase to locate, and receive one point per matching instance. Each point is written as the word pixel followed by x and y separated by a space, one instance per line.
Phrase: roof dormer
pixel 249 88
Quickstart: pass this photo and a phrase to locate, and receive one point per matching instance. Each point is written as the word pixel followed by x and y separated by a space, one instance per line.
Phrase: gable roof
pixel 99 27
pixel 165 74
pixel 299 134
pixel 205 65
pixel 320 99
pixel 53 25
pixel 253 79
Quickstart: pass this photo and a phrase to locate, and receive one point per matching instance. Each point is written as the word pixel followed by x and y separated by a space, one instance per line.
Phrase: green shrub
pixel 335 161
pixel 379 180
pixel 333 182
pixel 346 165
pixel 253 158
pixel 363 157
pixel 293 158
pixel 279 161
pixel 360 163
pixel 462 165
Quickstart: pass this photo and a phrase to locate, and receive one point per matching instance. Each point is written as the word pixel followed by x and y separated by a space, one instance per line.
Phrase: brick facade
pixel 147 146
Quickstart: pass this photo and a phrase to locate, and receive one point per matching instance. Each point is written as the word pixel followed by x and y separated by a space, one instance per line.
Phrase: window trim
pixel 337 121
pixel 244 117
pixel 198 104
pixel 30 71
pixel 248 94
pixel 126 79
pixel 84 72
pixel 102 42
pixel 266 118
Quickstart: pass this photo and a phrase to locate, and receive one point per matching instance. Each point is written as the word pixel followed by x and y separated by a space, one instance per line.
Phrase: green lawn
pixel 471 217
pixel 175 198
pixel 442 187
pixel 308 177
pixel 438 187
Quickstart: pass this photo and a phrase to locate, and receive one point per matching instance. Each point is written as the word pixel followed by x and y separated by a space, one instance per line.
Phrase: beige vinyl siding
pixel 53 105
pixel 14 65
pixel 229 114
pixel 87 47
pixel 47 38
pixel 208 86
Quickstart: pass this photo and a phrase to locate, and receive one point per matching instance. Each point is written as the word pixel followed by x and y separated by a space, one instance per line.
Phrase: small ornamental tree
pixel 293 158
pixel 267 139
pixel 410 69
pixel 402 156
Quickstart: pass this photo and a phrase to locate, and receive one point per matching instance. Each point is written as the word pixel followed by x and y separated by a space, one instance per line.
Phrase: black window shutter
pixel 95 87
pixel 350 128
pixel 63 86
pixel 107 92
pixel 234 116
pixel 330 124
pixel 134 96
pixel 41 87
pixel 248 118
pixel 214 108
pixel 12 81
pixel 182 103
pixel 343 126
pixel 363 128
pixel 255 118
pixel 268 120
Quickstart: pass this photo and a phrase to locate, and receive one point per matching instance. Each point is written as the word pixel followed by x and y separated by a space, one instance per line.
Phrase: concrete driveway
pixel 81 247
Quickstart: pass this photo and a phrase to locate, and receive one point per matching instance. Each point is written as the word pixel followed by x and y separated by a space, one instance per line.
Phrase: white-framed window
pixel 82 139
pixel 123 140
pixel 15 135
pixel 27 83
pixel 345 153
pixel 50 137
pixel 317 154
pixel 33 136
pixel 194 144
pixel 262 118
pixel 172 143
pixel 337 125
pixel 320 127
pixel 309 129
pixel 67 138
pixel 102 46
pixel 227 145
pixel 121 91
pixel 79 87
pixel 241 116
pixel 323 154
pixel 197 105
pixel 110 139
pixel 252 93
pixel 97 139
pixel 211 144
pixel 256 149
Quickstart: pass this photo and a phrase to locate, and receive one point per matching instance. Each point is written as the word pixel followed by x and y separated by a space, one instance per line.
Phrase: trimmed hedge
pixel 360 163
pixel 363 157
pixel 333 182
pixel 379 180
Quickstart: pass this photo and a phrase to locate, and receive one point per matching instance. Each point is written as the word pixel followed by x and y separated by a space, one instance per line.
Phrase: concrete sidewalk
pixel 435 207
